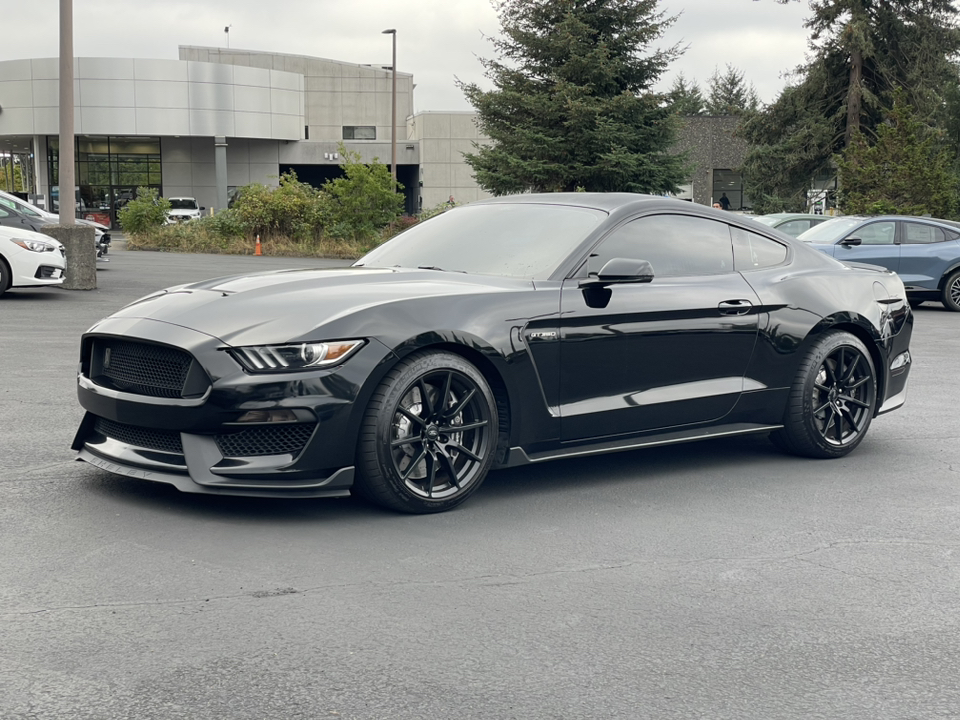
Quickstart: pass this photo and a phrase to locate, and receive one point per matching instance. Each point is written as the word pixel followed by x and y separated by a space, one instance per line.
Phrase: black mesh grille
pixel 162 440
pixel 145 369
pixel 266 440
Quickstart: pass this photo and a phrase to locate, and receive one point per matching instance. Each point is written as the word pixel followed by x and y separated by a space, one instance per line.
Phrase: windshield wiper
pixel 434 267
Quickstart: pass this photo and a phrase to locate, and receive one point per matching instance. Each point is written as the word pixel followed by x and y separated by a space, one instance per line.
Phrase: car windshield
pixel 522 240
pixel 183 204
pixel 767 219
pixel 828 232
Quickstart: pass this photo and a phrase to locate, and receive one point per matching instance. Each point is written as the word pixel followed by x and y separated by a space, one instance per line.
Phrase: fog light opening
pixel 901 361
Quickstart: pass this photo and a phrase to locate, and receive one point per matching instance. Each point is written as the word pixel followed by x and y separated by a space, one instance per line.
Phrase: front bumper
pixel 33 269
pixel 197 443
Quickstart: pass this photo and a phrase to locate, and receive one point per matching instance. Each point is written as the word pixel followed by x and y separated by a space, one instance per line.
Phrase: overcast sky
pixel 437 40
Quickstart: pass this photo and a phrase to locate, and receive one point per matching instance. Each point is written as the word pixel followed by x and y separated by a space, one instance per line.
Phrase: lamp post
pixel 393 109
pixel 67 156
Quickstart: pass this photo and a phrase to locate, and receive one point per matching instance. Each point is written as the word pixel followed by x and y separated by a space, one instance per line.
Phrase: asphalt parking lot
pixel 717 580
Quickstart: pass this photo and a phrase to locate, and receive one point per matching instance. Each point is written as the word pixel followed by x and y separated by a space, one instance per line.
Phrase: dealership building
pixel 224 116
pixel 218 119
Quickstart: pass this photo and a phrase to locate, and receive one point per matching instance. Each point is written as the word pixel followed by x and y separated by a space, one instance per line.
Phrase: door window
pixel 878 233
pixel 918 234
pixel 674 245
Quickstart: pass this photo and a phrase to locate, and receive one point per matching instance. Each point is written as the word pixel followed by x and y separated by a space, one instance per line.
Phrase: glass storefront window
pixel 730 183
pixel 109 171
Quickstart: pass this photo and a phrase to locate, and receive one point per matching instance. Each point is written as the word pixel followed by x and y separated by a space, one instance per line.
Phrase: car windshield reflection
pixel 522 240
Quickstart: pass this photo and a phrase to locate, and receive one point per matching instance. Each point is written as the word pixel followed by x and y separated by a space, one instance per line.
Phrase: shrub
pixel 145 212
pixel 225 224
pixel 364 201
pixel 294 209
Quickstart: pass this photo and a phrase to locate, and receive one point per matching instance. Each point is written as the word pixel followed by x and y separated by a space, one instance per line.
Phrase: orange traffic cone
pixel 258 251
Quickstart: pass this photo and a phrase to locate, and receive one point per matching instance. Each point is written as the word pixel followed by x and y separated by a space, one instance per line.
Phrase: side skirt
pixel 518 456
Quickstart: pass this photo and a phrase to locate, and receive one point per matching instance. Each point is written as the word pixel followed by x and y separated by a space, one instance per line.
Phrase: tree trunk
pixel 854 94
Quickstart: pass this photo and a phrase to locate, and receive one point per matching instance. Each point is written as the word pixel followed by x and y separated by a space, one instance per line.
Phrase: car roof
pixel 596 201
pixel 892 218
pixel 795 215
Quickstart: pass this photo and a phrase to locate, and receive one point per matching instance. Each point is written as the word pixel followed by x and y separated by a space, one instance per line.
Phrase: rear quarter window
pixel 753 252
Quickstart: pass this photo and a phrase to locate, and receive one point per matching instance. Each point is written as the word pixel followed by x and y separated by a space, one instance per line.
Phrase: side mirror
pixel 851 241
pixel 202 208
pixel 619 271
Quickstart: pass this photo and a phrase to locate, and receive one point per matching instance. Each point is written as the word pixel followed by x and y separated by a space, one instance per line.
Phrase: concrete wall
pixel 444 137
pixel 335 93
pixel 711 145
pixel 127 96
pixel 189 170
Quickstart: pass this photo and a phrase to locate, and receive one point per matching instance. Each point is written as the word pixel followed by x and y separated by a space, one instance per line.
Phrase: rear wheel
pixel 429 435
pixel 832 400
pixel 6 276
pixel 951 292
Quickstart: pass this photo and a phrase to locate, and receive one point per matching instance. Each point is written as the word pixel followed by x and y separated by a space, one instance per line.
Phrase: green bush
pixel 145 212
pixel 364 201
pixel 294 209
pixel 226 224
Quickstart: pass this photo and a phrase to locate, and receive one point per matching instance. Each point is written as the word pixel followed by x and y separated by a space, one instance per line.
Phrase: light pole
pixel 393 109
pixel 67 156
pixel 226 31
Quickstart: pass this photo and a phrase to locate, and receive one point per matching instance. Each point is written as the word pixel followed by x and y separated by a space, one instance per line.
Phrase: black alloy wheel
pixel 833 399
pixel 951 292
pixel 429 435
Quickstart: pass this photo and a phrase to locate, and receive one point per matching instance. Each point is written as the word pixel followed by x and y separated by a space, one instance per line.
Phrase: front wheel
pixel 951 292
pixel 832 401
pixel 5 276
pixel 429 435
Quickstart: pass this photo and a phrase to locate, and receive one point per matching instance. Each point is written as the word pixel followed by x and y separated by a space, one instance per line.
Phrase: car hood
pixel 294 305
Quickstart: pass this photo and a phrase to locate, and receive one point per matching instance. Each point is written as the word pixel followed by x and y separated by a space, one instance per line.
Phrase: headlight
pixel 298 356
pixel 35 245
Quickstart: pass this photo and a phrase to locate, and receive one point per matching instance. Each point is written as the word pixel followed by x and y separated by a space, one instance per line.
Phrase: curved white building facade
pixel 160 123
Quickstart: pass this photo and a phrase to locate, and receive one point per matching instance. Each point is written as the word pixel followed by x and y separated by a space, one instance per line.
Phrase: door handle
pixel 734 307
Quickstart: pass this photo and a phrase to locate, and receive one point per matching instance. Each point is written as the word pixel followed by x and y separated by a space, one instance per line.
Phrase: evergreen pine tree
pixel 730 94
pixel 572 105
pixel 905 172
pixel 861 51
pixel 685 98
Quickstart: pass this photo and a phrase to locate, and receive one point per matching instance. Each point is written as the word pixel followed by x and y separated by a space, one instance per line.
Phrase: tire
pixel 951 292
pixel 6 277
pixel 411 454
pixel 832 401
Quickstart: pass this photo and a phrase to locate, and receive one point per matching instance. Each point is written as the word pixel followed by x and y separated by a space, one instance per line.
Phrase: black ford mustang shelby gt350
pixel 509 331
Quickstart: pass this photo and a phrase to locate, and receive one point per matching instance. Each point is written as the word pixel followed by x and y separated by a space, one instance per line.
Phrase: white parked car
pixel 30 211
pixel 183 209
pixel 29 259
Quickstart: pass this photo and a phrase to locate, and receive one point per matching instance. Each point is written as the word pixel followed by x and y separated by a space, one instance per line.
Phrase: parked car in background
pixel 183 209
pixel 504 332
pixel 35 215
pixel 924 252
pixel 19 221
pixel 29 259
pixel 791 223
